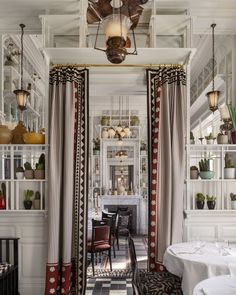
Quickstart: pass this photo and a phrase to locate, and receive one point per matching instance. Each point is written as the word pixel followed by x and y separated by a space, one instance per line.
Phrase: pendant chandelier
pixel 21 94
pixel 117 17
pixel 213 96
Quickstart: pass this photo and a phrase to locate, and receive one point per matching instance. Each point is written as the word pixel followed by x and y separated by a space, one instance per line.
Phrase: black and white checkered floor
pixel 117 282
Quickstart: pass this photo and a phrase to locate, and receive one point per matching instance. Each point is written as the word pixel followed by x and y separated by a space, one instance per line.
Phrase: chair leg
pixel 118 243
pixel 114 249
pixel 92 258
pixel 109 254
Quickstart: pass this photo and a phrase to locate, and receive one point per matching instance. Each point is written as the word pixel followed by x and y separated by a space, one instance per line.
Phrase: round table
pixel 220 285
pixel 194 263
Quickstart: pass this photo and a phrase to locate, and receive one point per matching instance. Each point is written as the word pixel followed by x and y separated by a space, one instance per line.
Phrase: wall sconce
pixel 21 94
pixel 116 27
pixel 213 96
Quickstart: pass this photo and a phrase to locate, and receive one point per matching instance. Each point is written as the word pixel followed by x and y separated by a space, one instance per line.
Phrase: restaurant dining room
pixel 118 147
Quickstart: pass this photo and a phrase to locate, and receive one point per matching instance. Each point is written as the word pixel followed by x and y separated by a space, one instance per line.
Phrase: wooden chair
pixel 123 225
pixel 9 266
pixel 113 223
pixel 101 240
pixel 152 283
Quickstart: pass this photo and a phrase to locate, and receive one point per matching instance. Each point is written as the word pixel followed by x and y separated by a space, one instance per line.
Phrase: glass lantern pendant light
pixel 116 27
pixel 213 95
pixel 21 94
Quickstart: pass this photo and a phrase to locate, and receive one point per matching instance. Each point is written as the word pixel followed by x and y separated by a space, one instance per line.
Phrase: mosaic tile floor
pixel 117 282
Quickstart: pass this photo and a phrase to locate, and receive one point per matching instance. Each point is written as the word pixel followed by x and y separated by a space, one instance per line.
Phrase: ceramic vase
pixel 206 174
pixel 20 175
pixel 194 174
pixel 18 133
pixel 233 205
pixel 222 139
pixel 5 135
pixel 229 173
pixel 39 174
pixel 200 204
pixel 29 174
pixel 27 205
pixel 211 205
pixel 36 204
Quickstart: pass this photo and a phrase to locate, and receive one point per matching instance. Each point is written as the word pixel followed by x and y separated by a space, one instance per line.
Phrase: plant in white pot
pixel 20 172
pixel 194 173
pixel 222 138
pixel 229 169
pixel 210 138
pixel 204 167
pixel 233 201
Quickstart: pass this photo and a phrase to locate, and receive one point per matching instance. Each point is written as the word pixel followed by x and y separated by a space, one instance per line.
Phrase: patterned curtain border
pixel 81 150
pixel 155 79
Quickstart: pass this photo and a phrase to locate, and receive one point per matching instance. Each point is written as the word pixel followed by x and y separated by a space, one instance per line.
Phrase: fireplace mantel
pixel 133 200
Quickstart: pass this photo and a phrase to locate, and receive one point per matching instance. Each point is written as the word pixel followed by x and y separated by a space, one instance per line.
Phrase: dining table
pixel 197 261
pixel 219 285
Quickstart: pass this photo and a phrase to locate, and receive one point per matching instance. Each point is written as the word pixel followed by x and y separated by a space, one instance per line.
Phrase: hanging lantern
pixel 213 96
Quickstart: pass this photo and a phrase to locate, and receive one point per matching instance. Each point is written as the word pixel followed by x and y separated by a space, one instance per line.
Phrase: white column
pixel 234 72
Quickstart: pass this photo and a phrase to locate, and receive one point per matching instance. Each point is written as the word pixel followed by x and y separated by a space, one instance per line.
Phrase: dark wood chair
pixel 9 266
pixel 101 240
pixel 113 223
pixel 152 283
pixel 123 225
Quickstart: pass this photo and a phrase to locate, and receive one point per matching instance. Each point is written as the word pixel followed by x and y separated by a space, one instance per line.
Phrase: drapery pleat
pixel 166 100
pixel 68 185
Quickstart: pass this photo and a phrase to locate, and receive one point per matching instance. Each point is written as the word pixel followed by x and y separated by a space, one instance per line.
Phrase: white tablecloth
pixel 220 285
pixel 193 266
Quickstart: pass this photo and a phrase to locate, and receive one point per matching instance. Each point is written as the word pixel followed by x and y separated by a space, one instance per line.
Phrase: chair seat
pixel 99 247
pixel 155 283
pixel 123 231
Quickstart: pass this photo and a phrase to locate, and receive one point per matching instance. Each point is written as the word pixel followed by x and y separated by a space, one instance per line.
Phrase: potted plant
pixel 200 200
pixel 204 167
pixel 192 139
pixel 2 201
pixel 194 172
pixel 233 201
pixel 36 201
pixel 105 121
pixel 229 169
pixel 232 112
pixel 211 202
pixel 134 121
pixel 39 172
pixel 29 172
pixel 96 148
pixel 210 138
pixel 222 138
pixel 20 172
pixel 28 199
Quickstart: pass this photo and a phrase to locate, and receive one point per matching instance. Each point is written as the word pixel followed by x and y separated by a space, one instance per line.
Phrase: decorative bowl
pixel 206 174
pixel 34 138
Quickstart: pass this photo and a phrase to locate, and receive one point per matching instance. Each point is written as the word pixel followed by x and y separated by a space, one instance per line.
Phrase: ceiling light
pixel 116 27
pixel 213 96
pixel 21 94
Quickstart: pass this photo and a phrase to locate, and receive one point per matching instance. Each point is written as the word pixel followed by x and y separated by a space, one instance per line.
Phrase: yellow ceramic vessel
pixel 34 138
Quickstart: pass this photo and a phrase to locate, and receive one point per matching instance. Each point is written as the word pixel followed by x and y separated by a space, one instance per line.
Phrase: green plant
pixel 204 165
pixel 228 163
pixel 28 195
pixel 27 166
pixel 209 137
pixel 20 169
pixel 233 197
pixel 191 135
pixel 194 168
pixel 200 197
pixel 210 198
pixel 232 112
pixel 134 120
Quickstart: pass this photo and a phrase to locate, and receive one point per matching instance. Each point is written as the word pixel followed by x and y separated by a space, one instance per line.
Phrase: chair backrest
pixel 134 267
pixel 101 231
pixel 124 219
pixel 122 209
pixel 9 250
pixel 113 218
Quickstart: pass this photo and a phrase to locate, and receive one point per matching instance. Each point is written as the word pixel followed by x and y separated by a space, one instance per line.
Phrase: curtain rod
pixel 117 66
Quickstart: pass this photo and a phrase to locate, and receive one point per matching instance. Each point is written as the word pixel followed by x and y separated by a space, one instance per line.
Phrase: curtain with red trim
pixel 68 182
pixel 166 132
